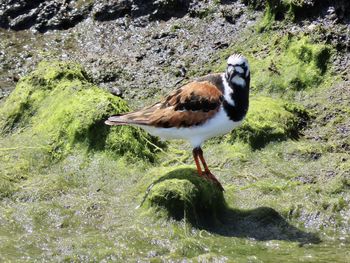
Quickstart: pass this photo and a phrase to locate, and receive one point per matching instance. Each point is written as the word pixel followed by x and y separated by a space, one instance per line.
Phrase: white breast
pixel 219 124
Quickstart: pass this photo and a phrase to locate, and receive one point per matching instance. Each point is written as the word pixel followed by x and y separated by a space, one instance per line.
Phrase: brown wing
pixel 189 105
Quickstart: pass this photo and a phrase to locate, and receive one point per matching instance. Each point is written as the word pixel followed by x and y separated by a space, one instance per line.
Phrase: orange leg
pixel 197 152
pixel 196 160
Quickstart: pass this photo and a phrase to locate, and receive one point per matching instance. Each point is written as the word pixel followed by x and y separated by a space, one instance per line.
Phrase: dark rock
pixel 43 15
pixel 220 45
pixel 116 92
pixel 231 13
pixel 338 9
pixel 165 9
pixel 10 9
pixel 59 14
pixel 255 4
pixel 24 21
pixel 112 9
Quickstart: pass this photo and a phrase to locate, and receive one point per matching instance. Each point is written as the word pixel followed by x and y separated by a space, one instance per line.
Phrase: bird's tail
pixel 132 118
pixel 116 120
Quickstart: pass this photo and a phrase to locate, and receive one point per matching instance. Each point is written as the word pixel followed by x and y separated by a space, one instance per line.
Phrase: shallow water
pixel 97 219
pixel 146 241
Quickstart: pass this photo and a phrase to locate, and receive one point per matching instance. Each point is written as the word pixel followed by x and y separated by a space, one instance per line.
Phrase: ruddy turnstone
pixel 206 107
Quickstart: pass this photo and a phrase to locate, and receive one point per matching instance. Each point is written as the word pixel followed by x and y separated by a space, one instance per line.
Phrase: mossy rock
pixel 269 120
pixel 57 105
pixel 183 194
pixel 300 65
pixel 282 63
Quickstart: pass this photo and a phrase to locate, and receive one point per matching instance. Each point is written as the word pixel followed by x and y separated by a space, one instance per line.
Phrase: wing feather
pixel 190 105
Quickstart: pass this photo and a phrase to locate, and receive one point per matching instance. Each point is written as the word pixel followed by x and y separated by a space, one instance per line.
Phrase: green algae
pixel 182 194
pixel 270 120
pixel 296 186
pixel 293 65
pixel 58 104
pixel 53 112
pixel 282 63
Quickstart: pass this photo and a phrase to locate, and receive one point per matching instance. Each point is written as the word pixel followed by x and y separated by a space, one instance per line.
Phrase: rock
pixel 58 106
pixel 116 92
pixel 165 9
pixel 58 14
pixel 279 9
pixel 183 194
pixel 112 9
pixel 43 15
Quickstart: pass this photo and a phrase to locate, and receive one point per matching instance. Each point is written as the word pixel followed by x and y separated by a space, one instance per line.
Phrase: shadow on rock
pixel 182 194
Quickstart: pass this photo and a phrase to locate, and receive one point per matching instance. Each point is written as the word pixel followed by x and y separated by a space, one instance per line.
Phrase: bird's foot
pixel 212 178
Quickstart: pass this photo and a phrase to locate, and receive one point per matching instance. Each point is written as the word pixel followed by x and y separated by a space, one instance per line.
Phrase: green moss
pixel 280 63
pixel 59 105
pixel 294 65
pixel 182 194
pixel 48 186
pixel 269 120
pixel 273 186
pixel 190 248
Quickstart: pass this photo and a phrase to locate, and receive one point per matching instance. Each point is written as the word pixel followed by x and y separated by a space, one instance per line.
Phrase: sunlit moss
pixel 294 64
pixel 181 193
pixel 59 105
pixel 280 63
pixel 269 120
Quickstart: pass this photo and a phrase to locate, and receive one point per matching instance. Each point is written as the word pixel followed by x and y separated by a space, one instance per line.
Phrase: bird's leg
pixel 196 160
pixel 206 169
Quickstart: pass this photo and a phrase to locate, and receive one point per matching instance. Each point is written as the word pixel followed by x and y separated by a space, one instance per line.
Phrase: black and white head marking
pixel 237 70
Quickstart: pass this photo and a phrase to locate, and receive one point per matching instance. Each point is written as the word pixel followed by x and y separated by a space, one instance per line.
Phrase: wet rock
pixel 255 4
pixel 42 15
pixel 231 13
pixel 116 92
pixel 304 9
pixel 112 9
pixel 59 14
pixel 165 9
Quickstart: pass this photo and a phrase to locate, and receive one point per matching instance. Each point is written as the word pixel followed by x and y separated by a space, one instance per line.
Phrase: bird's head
pixel 237 71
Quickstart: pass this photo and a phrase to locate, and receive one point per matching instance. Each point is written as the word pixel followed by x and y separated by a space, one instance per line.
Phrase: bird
pixel 208 106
